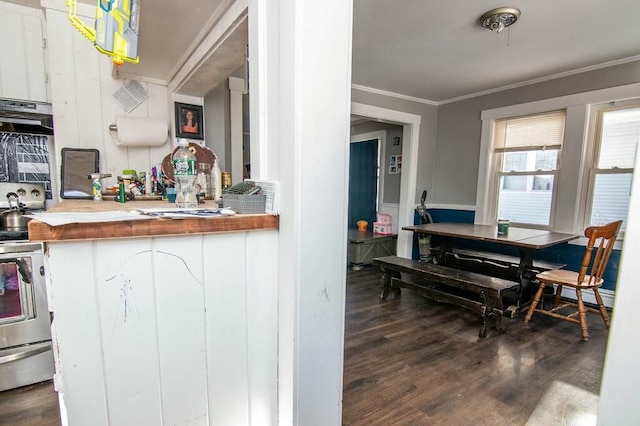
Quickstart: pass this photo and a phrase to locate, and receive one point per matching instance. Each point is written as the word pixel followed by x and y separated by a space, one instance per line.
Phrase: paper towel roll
pixel 140 131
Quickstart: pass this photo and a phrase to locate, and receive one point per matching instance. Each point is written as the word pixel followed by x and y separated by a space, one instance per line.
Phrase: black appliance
pixel 21 116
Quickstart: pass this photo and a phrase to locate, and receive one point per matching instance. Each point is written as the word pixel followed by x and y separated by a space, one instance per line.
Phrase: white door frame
pixel 410 141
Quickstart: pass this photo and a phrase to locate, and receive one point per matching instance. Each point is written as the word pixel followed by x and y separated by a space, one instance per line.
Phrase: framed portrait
pixel 189 121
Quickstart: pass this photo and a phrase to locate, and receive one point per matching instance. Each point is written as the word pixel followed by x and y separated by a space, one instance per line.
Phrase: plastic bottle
pixel 216 181
pixel 184 172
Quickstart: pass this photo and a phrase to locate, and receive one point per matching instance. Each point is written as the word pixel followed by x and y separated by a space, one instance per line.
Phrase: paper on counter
pixel 57 219
pixel 271 190
pixel 176 213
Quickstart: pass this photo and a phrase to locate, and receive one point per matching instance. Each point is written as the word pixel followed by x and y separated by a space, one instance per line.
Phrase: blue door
pixel 363 182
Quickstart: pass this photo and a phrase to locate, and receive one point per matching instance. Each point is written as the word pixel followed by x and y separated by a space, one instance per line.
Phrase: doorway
pixel 364 172
pixel 410 138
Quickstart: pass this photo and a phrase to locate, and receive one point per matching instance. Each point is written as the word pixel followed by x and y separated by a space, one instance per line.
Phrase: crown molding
pixel 393 95
pixel 497 89
pixel 543 79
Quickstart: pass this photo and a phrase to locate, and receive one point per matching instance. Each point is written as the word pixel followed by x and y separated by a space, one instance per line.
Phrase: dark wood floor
pixel 412 361
pixel 34 405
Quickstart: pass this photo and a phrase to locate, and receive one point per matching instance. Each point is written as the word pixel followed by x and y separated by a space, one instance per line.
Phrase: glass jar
pixel 226 180
pixel 204 180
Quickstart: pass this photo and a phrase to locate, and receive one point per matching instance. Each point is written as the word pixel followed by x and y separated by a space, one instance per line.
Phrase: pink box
pixel 384 218
pixel 382 228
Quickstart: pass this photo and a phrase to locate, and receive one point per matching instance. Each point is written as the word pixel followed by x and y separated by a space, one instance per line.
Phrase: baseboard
pixel 588 297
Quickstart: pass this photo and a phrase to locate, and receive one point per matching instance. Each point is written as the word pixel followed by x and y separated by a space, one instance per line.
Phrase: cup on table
pixel 503 226
pixel 171 195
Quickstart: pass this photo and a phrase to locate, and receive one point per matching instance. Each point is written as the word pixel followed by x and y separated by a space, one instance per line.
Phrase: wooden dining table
pixel 527 241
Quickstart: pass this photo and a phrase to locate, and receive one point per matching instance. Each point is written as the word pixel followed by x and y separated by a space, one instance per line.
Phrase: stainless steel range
pixel 25 326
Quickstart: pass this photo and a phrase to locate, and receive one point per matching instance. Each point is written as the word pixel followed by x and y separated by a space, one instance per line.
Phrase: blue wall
pixel 570 254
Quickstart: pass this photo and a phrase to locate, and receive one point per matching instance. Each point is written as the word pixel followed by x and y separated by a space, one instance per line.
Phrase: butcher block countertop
pixel 40 231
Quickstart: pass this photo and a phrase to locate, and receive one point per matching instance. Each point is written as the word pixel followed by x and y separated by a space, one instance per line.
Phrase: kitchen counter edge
pixel 40 231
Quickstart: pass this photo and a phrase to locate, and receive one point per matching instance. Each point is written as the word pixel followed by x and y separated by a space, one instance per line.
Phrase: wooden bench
pixel 493 264
pixel 479 293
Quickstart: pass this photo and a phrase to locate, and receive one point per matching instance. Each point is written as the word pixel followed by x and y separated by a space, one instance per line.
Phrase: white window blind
pixel 533 132
pixel 526 151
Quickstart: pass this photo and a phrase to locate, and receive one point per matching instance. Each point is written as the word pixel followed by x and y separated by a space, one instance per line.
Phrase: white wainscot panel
pixel 128 324
pixel 180 296
pixel 170 330
pixel 226 299
pixel 76 329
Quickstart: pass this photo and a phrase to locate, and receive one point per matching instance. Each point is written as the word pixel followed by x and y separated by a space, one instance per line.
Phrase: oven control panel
pixel 30 195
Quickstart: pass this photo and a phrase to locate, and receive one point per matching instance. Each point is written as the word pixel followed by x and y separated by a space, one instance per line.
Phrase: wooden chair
pixel 589 278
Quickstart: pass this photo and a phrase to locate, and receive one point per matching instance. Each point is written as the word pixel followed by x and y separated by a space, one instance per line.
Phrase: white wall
pixel 216 124
pixel 455 175
pixel 619 396
pixel 81 92
pixel 300 67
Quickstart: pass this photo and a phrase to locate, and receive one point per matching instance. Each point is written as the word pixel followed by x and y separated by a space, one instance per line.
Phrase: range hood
pixel 26 117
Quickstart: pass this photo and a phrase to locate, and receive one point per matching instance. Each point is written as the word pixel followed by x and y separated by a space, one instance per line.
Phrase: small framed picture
pixel 189 122
pixel 395 164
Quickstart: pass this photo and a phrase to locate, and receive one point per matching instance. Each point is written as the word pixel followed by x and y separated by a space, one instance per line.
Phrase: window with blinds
pixel 527 154
pixel 612 170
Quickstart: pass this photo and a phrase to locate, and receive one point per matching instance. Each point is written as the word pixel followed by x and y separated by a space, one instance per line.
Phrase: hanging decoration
pixel 116 28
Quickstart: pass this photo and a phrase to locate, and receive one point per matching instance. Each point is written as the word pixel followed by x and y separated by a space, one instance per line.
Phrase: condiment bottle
pixel 226 180
pixel 216 181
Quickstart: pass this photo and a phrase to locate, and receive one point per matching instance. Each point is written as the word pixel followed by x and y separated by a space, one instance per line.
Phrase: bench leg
pixel 483 325
pixel 387 275
pixel 491 315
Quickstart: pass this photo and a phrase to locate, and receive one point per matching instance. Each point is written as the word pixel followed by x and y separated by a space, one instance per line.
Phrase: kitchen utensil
pixel 13 219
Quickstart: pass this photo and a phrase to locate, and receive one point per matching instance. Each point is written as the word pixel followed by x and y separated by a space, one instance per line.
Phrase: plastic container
pixel 245 204
pixel 204 180
pixel 184 173
pixel 171 194
pixel 383 218
pixel 362 225
pixel 382 228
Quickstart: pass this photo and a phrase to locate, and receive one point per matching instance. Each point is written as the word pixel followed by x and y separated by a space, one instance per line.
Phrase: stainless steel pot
pixel 13 219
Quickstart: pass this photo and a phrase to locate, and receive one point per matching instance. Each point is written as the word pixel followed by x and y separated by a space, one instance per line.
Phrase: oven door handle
pixel 15 354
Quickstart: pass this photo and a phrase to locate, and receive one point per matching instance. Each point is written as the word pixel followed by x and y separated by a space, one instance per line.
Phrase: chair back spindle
pixel 604 237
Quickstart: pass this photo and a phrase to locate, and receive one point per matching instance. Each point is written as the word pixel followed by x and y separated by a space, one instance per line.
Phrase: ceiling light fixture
pixel 500 18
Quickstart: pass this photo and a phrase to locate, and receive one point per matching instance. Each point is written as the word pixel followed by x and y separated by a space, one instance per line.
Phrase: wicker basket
pixel 244 204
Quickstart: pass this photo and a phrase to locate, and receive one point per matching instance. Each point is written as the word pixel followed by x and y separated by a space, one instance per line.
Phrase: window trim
pixel 498 159
pixel 572 187
pixel 596 113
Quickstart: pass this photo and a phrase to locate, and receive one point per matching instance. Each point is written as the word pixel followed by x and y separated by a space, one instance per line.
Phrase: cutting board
pixel 202 153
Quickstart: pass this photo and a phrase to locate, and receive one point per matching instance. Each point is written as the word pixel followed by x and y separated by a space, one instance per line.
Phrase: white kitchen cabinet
pixel 22 53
